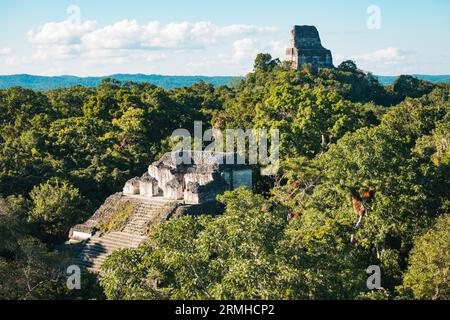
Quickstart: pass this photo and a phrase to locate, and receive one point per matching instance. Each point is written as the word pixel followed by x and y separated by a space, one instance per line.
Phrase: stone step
pixel 120 235
pixel 145 213
pixel 143 220
pixel 130 228
pixel 129 239
pixel 92 267
pixel 138 230
pixel 149 218
pixel 93 260
pixel 105 247
pixel 136 225
pixel 140 222
pixel 149 201
pixel 119 239
pixel 90 260
pixel 112 244
pixel 144 216
pixel 133 226
pixel 139 226
pixel 113 236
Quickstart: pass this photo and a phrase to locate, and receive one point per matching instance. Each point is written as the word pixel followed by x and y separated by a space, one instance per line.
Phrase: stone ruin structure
pixel 306 48
pixel 125 218
pixel 199 178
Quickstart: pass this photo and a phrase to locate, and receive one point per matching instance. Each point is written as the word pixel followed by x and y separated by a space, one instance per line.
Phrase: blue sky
pixel 216 37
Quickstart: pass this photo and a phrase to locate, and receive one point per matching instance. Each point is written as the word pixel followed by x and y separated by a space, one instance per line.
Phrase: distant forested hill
pixel 46 83
pixel 435 79
pixel 167 82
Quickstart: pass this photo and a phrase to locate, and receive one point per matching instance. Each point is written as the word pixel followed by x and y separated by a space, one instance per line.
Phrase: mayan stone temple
pixel 306 48
pixel 198 177
pixel 168 185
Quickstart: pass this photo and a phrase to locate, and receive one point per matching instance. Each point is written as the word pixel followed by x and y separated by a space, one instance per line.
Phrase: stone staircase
pixel 97 249
pixel 148 212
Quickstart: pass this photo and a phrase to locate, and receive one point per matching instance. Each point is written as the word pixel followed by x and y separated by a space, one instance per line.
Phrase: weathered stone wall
pixel 200 178
pixel 194 183
pixel 306 48
pixel 191 197
pixel 149 186
pixel 173 190
pixel 162 175
pixel 132 187
pixel 148 189
pixel 305 37
pixel 170 183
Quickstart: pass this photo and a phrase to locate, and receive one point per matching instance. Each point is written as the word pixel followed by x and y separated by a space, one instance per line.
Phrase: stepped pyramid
pixel 124 219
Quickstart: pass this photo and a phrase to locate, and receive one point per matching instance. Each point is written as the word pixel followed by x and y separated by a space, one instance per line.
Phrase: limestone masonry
pixel 125 218
pixel 306 48
pixel 199 179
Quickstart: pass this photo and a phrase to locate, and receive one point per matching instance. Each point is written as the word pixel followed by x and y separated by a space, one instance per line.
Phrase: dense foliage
pixel 295 236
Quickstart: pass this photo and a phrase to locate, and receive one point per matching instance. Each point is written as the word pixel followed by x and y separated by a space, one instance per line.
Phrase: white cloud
pixel 389 60
pixel 127 40
pixel 240 29
pixel 5 51
pixel 387 55
pixel 126 46
pixel 123 34
pixel 278 49
pixel 183 35
pixel 121 56
pixel 46 53
pixel 61 33
pixel 243 53
pixel 245 49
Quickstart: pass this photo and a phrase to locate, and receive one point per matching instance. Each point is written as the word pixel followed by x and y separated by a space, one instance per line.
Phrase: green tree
pixel 264 62
pixel 409 86
pixel 57 206
pixel 427 276
pixel 33 268
pixel 348 65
